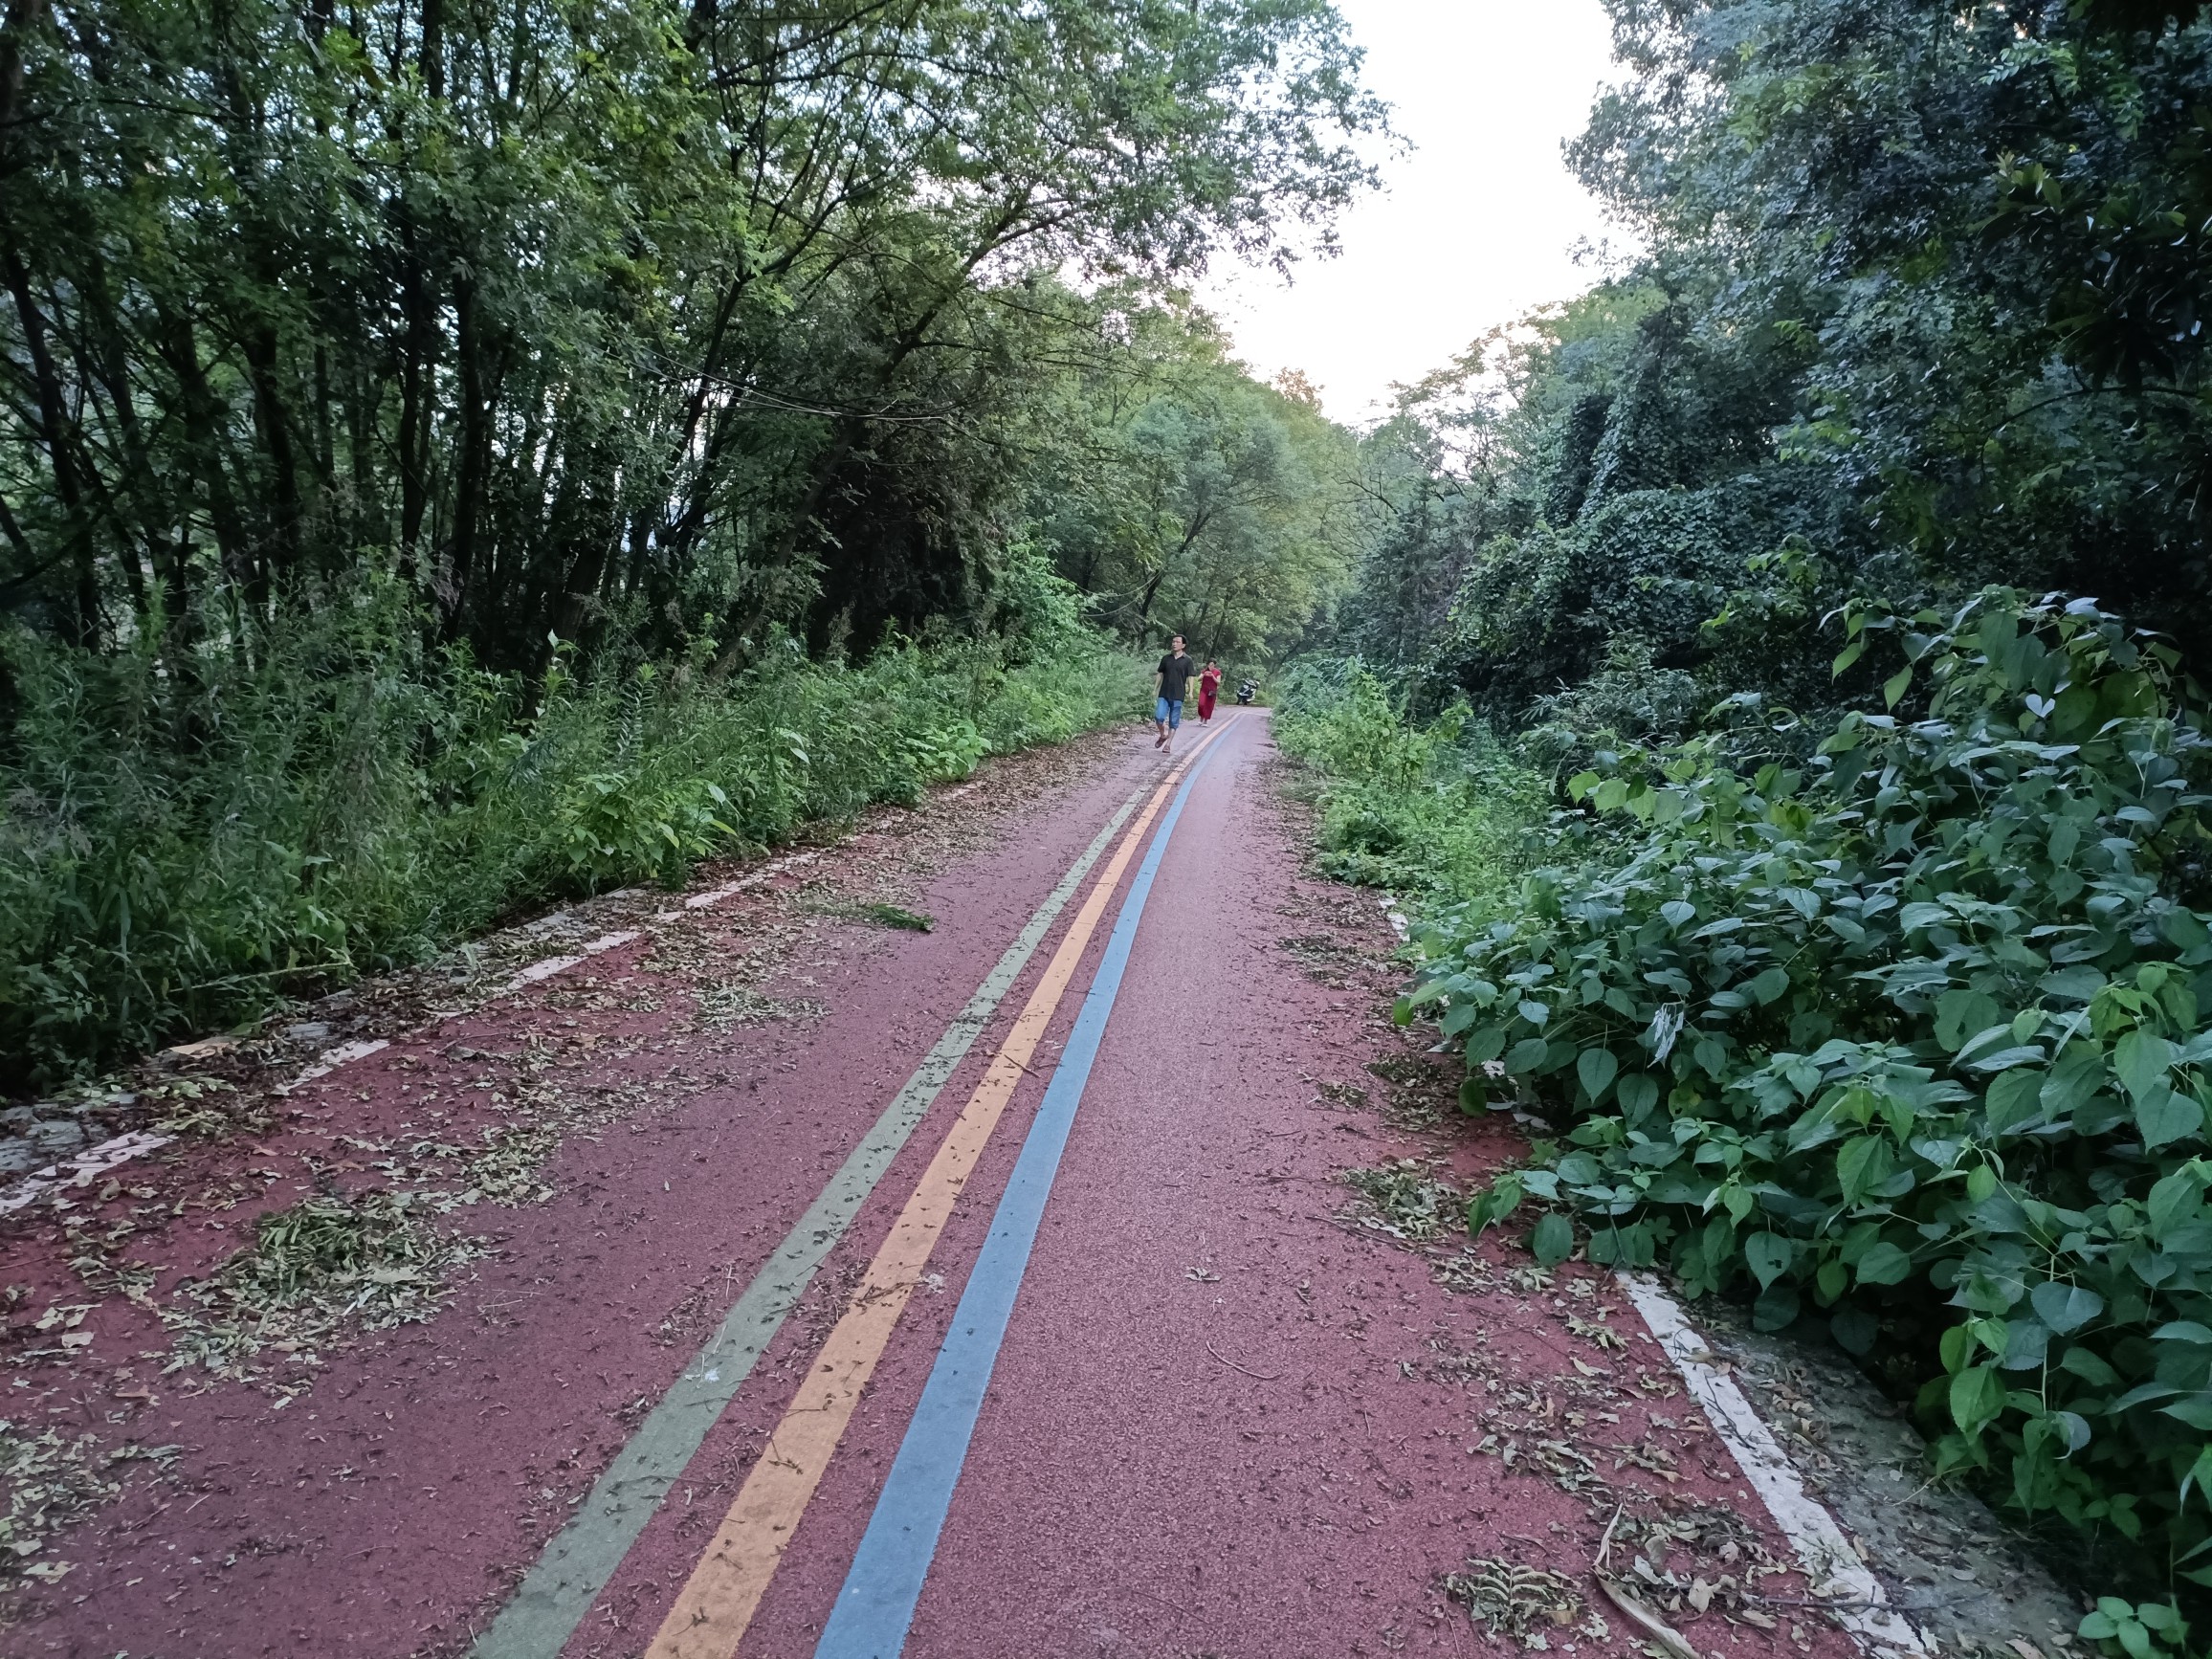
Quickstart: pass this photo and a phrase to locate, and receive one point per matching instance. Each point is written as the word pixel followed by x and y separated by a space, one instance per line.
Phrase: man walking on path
pixel 1169 684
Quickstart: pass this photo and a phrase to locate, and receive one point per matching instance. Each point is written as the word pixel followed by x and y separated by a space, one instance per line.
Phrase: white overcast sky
pixel 1472 228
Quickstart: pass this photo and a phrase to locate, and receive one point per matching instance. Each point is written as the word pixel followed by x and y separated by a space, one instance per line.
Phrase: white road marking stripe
pixel 81 1168
pixel 539 970
pixel 1832 1567
pixel 330 1059
pixel 776 866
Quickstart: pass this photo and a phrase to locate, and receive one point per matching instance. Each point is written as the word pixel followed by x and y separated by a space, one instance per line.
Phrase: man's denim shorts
pixel 1170 712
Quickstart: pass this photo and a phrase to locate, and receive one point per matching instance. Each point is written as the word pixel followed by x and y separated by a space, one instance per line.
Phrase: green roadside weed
pixel 1439 810
pixel 179 853
pixel 1909 1038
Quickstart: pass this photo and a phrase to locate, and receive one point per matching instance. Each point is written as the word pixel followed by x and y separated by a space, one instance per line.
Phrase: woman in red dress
pixel 1209 683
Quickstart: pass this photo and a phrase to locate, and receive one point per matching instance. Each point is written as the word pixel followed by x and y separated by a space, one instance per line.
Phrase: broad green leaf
pixel 1977 1397
pixel 1638 1093
pixel 2027 1341
pixel 2141 1060
pixel 2072 1429
pixel 1767 1255
pixel 1456 1019
pixel 1885 1264
pixel 2165 1117
pixel 2073 984
pixel 1960 1014
pixel 2014 1098
pixel 1956 1347
pixel 2084 1363
pixel 2064 1308
pixel 2175 1199
pixel 1776 1308
pixel 1494 1203
pixel 1863 1163
pixel 1553 1241
pixel 2080 1072
pixel 1526 1055
pixel 2004 1059
pixel 1854 1330
pixel 1596 1069
pixel 1579 1169
pixel 2190 1331
pixel 2200 1474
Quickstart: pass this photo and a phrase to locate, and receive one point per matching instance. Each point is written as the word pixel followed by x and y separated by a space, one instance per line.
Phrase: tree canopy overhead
pixel 602 319
pixel 1921 306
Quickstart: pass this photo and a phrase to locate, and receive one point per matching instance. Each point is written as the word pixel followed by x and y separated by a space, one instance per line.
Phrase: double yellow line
pixel 724 1590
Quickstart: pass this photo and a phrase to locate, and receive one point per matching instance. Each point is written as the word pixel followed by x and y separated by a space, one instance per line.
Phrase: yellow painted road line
pixel 724 1590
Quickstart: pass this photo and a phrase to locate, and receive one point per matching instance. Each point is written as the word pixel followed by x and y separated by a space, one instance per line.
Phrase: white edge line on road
pixel 80 1169
pixel 539 970
pixel 774 867
pixel 1832 1567
pixel 554 965
pixel 124 1147
pixel 330 1059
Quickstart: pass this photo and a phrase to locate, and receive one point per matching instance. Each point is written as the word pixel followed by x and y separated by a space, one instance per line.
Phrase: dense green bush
pixel 1646 569
pixel 186 837
pixel 1911 1038
pixel 1437 810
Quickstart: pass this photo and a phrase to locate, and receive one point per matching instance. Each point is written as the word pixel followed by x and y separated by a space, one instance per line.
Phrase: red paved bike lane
pixel 1227 1420
pixel 1224 1423
pixel 388 1509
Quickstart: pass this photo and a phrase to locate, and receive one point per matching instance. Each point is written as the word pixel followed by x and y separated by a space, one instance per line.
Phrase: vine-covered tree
pixel 1921 306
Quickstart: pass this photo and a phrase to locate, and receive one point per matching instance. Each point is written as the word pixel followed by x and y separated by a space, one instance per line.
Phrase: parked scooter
pixel 1247 691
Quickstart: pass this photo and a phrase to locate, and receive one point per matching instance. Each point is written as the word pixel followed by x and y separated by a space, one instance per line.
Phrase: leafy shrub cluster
pixel 179 848
pixel 1439 810
pixel 1915 1038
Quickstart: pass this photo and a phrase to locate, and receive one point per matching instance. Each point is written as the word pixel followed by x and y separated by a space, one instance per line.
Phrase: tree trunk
pixel 55 429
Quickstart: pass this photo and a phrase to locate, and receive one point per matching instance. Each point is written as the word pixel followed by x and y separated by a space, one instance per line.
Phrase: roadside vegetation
pixel 1777 696
pixel 451 459
pixel 178 856
pixel 1440 808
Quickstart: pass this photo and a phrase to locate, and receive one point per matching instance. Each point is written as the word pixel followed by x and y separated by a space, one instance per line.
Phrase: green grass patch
pixel 1441 810
pixel 188 838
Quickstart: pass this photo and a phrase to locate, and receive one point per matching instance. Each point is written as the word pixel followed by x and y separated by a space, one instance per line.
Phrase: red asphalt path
pixel 1223 1423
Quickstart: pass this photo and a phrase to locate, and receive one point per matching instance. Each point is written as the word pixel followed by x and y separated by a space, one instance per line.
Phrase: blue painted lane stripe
pixel 876 1603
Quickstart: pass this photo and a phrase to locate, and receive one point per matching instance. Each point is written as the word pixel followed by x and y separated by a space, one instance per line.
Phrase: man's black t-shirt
pixel 1175 671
